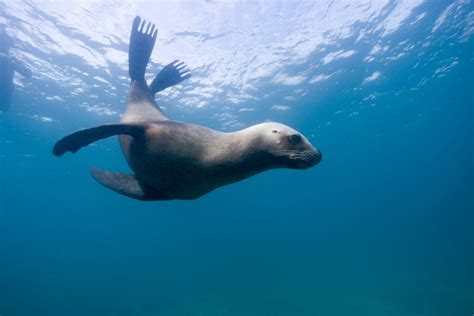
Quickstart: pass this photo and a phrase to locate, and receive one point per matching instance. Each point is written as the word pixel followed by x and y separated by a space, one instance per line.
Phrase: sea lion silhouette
pixel 176 160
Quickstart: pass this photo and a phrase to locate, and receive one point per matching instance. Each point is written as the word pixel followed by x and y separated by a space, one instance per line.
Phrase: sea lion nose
pixel 319 156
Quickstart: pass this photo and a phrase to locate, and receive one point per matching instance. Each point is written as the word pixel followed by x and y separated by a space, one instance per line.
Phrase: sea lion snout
pixel 301 158
pixel 306 159
pixel 317 157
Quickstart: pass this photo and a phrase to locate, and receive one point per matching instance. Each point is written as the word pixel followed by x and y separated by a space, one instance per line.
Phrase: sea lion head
pixel 289 148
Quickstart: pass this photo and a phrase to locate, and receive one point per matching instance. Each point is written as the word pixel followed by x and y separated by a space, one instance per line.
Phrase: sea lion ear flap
pixel 77 140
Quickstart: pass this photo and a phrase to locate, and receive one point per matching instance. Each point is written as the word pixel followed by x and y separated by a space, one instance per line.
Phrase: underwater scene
pixel 226 158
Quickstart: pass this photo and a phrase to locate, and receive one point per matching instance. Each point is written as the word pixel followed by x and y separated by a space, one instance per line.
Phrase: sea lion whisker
pixel 294 154
pixel 281 153
pixel 288 152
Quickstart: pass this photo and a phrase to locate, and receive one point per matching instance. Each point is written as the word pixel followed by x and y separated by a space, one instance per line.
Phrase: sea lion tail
pixel 142 41
pixel 80 139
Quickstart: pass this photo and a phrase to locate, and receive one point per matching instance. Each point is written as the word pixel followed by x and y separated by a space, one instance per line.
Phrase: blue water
pixel 382 226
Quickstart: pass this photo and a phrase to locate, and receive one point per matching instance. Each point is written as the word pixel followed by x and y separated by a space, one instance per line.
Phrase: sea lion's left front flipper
pixel 77 140
pixel 127 184
pixel 170 75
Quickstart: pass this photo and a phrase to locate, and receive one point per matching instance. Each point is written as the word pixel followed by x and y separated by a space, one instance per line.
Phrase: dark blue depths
pixel 383 226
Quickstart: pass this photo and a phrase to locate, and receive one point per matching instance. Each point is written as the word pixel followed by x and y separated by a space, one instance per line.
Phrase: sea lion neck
pixel 239 142
pixel 244 150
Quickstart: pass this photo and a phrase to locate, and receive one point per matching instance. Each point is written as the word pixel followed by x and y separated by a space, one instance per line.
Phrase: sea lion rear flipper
pixel 126 184
pixel 170 75
pixel 142 41
pixel 77 140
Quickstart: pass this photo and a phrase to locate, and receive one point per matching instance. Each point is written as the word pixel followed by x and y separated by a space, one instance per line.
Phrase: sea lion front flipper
pixel 126 184
pixel 142 41
pixel 170 75
pixel 79 139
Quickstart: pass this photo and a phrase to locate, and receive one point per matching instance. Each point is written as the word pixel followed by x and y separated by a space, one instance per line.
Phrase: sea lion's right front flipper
pixel 77 140
pixel 127 184
pixel 142 41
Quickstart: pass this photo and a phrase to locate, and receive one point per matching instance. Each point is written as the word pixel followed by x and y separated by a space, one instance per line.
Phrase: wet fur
pixel 185 161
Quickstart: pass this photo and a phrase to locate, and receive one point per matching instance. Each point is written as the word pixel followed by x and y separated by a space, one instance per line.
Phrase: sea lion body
pixel 185 161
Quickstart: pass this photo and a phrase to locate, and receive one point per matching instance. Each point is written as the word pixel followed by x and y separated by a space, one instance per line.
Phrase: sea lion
pixel 177 160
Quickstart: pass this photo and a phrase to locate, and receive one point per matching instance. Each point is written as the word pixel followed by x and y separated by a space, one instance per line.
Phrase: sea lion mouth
pixel 299 159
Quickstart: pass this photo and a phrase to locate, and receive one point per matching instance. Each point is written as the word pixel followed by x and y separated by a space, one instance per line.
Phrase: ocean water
pixel 382 226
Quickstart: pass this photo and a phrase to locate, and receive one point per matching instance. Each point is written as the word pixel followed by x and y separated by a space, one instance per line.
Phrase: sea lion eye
pixel 295 139
pixel 275 131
